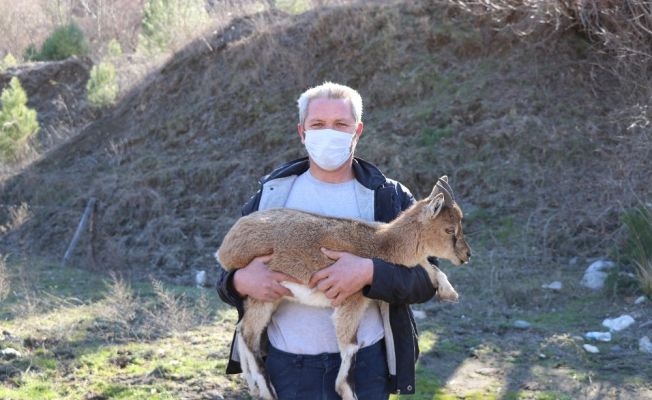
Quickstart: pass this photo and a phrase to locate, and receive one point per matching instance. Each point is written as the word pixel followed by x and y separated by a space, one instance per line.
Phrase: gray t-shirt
pixel 301 329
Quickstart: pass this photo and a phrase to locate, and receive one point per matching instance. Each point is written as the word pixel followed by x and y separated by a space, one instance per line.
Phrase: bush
pixel 102 87
pixel 638 247
pixel 168 22
pixel 18 123
pixel 8 62
pixel 293 6
pixel 65 41
pixel 30 53
pixel 114 49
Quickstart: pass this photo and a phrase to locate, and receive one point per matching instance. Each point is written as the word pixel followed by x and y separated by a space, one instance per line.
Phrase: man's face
pixel 323 113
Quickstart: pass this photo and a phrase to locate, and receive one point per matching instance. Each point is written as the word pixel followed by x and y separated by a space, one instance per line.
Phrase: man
pixel 303 357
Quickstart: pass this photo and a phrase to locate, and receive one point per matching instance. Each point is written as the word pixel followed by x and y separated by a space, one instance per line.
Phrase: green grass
pixel 67 351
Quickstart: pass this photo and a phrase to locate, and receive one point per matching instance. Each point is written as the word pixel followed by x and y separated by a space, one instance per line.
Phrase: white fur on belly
pixel 304 295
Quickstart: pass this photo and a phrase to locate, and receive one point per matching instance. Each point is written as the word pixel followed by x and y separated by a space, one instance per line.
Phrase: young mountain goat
pixel 431 227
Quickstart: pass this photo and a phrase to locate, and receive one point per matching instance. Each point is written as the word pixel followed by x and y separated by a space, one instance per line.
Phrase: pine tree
pixel 18 123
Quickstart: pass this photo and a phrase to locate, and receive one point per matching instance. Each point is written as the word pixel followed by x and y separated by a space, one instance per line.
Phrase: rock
pixel 573 261
pixel 200 278
pixel 640 300
pixel 419 314
pixel 9 353
pixel 556 285
pixel 594 276
pixel 645 345
pixel 488 371
pixel 599 336
pixel 591 349
pixel 520 324
pixel 618 324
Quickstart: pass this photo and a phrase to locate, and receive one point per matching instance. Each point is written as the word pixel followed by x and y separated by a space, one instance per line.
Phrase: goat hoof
pixel 449 296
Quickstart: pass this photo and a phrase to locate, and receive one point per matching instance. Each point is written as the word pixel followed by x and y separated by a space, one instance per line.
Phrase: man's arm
pixel 399 284
pixel 227 292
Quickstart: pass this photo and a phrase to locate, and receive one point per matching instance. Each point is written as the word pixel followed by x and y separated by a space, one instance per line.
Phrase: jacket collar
pixel 365 172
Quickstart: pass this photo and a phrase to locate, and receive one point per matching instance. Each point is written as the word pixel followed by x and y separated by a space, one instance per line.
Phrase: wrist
pixel 237 283
pixel 369 269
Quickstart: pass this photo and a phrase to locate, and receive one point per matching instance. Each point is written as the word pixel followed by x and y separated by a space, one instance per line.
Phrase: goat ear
pixel 435 190
pixel 435 205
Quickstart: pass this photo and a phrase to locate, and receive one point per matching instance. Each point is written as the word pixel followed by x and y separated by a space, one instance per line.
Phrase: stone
pixel 640 300
pixel 9 353
pixel 521 324
pixel 594 276
pixel 200 278
pixel 599 336
pixel 591 349
pixel 419 314
pixel 618 324
pixel 556 285
pixel 645 345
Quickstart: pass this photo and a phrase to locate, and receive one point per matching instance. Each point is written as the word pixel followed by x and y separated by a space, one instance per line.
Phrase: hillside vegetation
pixel 544 147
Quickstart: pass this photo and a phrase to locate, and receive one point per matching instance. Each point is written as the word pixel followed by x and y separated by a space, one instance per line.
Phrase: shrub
pixel 293 6
pixel 167 22
pixel 65 41
pixel 30 53
pixel 638 247
pixel 8 62
pixel 18 123
pixel 102 87
pixel 114 49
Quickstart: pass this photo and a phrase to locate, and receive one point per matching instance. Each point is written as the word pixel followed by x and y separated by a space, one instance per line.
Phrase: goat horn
pixel 446 189
pixel 448 198
pixel 435 191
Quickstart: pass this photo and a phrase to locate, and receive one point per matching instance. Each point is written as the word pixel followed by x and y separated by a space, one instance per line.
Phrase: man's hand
pixel 349 274
pixel 257 281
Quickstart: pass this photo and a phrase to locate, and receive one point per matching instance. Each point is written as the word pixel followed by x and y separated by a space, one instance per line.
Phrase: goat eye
pixel 450 231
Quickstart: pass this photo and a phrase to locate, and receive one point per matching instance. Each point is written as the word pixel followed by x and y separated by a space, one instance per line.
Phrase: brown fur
pixel 431 227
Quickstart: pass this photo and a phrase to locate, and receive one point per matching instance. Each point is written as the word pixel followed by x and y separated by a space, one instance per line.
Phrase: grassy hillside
pixel 544 142
pixel 531 135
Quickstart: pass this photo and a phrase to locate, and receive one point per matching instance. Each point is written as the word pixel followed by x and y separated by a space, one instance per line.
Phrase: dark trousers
pixel 312 377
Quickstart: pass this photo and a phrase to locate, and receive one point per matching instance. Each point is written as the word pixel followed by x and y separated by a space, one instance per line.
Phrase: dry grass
pixel 162 312
pixel 17 216
pixel 120 307
pixel 622 28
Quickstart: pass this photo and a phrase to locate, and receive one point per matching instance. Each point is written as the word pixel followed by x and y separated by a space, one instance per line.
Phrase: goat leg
pixel 256 318
pixel 439 280
pixel 346 319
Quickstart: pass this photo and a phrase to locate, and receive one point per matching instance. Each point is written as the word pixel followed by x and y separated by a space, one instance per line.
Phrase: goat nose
pixel 468 254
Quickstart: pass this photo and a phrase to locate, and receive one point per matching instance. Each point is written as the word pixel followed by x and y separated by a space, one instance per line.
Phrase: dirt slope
pixel 543 147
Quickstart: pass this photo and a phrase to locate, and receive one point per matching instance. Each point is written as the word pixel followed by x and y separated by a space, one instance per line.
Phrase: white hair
pixel 330 90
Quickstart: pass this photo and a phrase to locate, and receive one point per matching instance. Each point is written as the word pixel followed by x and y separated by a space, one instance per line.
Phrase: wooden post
pixel 82 223
pixel 91 232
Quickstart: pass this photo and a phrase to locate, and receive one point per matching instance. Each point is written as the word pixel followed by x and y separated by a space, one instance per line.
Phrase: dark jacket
pixel 394 284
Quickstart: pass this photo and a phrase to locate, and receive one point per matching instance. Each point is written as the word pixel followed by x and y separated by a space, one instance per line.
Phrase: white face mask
pixel 329 148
